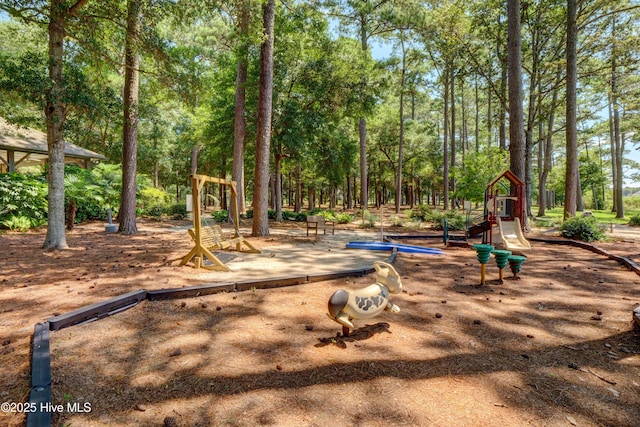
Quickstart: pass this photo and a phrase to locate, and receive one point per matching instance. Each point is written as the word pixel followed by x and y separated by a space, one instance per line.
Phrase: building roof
pixel 34 143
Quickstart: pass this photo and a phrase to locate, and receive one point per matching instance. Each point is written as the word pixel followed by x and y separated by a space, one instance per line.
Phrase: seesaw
pixel 386 246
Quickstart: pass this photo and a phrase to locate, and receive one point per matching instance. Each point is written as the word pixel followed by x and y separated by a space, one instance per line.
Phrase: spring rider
pixel 367 302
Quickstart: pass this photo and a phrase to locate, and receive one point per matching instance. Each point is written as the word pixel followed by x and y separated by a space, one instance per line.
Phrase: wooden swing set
pixel 206 238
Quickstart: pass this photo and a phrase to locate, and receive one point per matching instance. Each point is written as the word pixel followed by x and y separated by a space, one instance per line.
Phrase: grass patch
pixel 601 216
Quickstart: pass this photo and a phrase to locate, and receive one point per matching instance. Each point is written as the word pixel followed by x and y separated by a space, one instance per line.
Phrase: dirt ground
pixel 554 348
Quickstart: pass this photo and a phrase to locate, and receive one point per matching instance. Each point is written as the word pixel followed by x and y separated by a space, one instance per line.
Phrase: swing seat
pixel 213 238
pixel 208 237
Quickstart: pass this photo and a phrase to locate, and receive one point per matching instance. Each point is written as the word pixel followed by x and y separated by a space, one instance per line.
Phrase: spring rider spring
pixel 515 263
pixel 501 257
pixel 367 302
pixel 483 253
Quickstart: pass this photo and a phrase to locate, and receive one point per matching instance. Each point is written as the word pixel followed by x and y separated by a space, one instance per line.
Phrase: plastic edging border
pixel 40 395
pixel 630 265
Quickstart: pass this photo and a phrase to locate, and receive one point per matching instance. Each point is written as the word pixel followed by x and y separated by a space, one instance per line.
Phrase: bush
pixel 396 221
pixel 156 211
pixel 18 223
pixel 421 213
pixel 178 211
pixel 343 218
pixel 220 216
pixel 455 221
pixel 582 228
pixel 22 198
pixel 81 190
pixel 635 220
pixel 294 216
pixel 150 197
pixel 270 212
pixel 368 220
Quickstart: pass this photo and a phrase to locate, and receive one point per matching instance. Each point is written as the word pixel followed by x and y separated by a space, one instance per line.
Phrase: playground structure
pixel 511 236
pixel 367 302
pixel 504 210
pixel 210 237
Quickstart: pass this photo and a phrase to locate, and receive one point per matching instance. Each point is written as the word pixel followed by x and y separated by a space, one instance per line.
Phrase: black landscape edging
pixel 40 395
pixel 275 282
pixel 97 310
pixel 632 266
pixel 389 237
pixel 190 291
pixel 320 277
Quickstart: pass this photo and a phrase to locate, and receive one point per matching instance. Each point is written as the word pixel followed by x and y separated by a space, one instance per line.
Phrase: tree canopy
pixel 428 117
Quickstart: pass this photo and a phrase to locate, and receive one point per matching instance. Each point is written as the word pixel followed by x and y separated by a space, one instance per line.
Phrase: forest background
pixel 287 99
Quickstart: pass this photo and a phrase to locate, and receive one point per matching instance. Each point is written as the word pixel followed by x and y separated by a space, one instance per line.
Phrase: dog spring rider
pixel 367 302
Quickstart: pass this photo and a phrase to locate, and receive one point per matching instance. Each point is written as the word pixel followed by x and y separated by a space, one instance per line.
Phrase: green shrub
pixel 270 212
pixel 368 220
pixel 18 223
pixel 22 196
pixel 178 211
pixel 221 215
pixel 455 220
pixel 420 213
pixel 635 220
pixel 396 221
pixel 343 218
pixel 294 216
pixel 582 228
pixel 80 188
pixel 156 211
pixel 150 197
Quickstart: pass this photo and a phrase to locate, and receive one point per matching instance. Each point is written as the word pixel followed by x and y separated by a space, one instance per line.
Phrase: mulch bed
pixel 556 347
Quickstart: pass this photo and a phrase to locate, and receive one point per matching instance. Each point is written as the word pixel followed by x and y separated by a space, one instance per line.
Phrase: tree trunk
pixel 239 124
pixel 298 196
pixel 127 212
pixel 401 142
pixel 619 150
pixel 55 112
pixel 502 111
pixel 617 137
pixel 516 114
pixel 445 143
pixel 452 83
pixel 349 196
pixel 278 187
pixel 263 139
pixel 156 161
pixel 571 182
pixel 364 190
pixel 548 148
pixel 489 118
pixel 72 208
pixel 477 117
pixel 464 133
pixel 364 186
pixel 614 169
